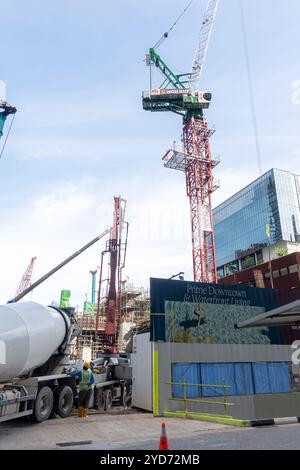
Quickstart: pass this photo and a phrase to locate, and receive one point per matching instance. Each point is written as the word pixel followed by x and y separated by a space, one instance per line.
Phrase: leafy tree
pixel 280 252
pixel 184 336
pixel 248 262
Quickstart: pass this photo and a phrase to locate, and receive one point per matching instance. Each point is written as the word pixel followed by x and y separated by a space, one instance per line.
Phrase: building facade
pixel 285 277
pixel 240 222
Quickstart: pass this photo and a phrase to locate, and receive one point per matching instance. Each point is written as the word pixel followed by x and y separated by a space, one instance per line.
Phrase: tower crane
pixel 26 279
pixel 180 94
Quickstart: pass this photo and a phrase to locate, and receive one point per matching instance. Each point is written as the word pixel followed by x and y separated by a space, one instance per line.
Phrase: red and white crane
pixel 181 94
pixel 26 279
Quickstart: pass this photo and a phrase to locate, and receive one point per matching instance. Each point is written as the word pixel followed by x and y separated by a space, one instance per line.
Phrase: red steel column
pixel 200 186
pixel 111 327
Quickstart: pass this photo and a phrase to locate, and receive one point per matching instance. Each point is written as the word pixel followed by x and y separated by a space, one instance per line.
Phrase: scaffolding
pixel 135 317
pixel 87 345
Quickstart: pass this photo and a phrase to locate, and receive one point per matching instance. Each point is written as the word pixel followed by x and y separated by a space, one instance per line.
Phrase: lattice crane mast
pixel 27 276
pixel 180 94
pixel 204 37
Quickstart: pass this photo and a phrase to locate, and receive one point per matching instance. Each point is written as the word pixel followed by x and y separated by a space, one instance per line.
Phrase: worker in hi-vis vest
pixel 86 380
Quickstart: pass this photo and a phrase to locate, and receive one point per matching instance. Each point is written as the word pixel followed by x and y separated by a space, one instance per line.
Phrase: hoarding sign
pixel 208 313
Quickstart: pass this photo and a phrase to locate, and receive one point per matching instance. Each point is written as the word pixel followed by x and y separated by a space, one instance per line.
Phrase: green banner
pixel 65 298
pixel 89 308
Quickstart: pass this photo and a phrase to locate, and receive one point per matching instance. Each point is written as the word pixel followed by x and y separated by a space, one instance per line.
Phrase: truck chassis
pixel 41 397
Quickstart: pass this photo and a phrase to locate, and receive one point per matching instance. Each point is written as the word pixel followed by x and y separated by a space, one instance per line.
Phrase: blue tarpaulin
pixel 243 378
pixel 192 375
pixel 218 374
pixel 261 378
pixel 279 377
pixel 271 378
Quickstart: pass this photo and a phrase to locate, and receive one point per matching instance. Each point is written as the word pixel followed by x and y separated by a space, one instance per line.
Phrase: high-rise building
pixel 241 235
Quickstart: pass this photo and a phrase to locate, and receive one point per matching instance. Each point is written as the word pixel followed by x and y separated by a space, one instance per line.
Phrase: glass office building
pixel 240 222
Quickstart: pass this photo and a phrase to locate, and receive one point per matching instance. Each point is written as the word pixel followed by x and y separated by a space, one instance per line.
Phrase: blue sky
pixel 75 71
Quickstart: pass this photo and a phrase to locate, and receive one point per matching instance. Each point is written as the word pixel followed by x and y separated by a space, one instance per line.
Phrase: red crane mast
pixel 116 247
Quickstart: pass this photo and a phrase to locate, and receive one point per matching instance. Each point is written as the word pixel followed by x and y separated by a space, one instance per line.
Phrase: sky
pixel 75 70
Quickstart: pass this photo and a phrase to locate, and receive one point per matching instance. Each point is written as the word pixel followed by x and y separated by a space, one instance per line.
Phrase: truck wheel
pixel 64 399
pixel 43 405
pixel 99 402
pixel 107 400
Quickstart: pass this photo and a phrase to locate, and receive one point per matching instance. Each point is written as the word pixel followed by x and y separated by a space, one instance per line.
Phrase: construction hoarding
pixel 188 312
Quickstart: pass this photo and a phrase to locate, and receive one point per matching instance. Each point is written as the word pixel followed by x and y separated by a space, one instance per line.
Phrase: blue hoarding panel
pixel 192 375
pixel 261 378
pixel 243 379
pixel 279 377
pixel 218 374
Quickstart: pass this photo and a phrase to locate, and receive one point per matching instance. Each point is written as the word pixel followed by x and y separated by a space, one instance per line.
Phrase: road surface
pixel 130 431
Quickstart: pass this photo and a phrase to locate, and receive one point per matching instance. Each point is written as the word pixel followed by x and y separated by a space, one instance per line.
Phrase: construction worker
pixel 86 380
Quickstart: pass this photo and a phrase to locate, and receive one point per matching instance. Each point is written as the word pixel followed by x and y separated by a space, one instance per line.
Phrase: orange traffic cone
pixel 163 441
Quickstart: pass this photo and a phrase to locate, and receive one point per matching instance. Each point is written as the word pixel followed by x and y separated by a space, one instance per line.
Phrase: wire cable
pixel 251 93
pixel 6 138
pixel 166 34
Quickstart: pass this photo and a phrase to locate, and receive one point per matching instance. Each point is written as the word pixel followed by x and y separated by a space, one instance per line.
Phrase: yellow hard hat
pixel 86 364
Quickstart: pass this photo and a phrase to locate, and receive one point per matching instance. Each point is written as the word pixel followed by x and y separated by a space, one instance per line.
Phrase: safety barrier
pixel 186 400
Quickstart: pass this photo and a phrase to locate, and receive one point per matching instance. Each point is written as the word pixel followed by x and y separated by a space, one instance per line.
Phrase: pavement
pixel 130 431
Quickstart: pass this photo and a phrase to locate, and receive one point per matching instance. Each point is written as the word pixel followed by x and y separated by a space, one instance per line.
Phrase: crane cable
pixel 251 93
pixel 166 34
pixel 6 138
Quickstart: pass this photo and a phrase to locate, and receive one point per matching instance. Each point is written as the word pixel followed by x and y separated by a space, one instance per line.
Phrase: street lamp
pixel 180 275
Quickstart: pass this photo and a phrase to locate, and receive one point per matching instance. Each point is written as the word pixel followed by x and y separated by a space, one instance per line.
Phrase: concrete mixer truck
pixel 35 346
pixel 35 343
pixel 34 351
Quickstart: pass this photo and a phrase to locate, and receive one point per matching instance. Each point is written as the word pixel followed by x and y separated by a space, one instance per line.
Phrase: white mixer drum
pixel 29 334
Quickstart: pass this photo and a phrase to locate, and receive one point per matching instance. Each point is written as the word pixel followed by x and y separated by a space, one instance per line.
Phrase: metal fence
pixel 224 403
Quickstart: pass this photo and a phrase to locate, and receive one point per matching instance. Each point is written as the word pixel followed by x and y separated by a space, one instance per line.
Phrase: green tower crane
pixel 5 110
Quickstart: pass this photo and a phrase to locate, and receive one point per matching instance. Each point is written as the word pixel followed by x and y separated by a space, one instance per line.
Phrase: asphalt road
pixel 141 431
pixel 269 438
pixel 281 437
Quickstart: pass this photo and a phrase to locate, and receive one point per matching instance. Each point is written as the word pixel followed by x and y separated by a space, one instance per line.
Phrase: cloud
pixel 61 219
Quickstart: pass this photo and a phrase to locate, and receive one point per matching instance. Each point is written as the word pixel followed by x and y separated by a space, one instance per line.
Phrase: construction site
pixel 129 351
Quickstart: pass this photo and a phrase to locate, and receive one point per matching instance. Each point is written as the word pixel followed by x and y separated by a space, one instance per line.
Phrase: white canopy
pixel 286 315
